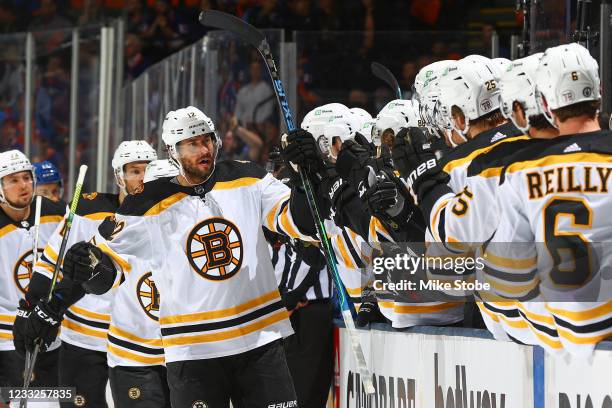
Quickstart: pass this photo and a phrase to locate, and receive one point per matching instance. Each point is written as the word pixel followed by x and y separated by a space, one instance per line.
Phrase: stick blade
pixel 383 73
pixel 229 22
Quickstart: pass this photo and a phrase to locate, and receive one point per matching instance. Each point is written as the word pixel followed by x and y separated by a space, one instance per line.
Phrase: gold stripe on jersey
pixel 125 266
pixel 7 318
pixel 135 357
pixel 184 340
pixel 516 321
pixel 435 218
pixel 453 164
pixel 285 222
pixel 98 216
pixel 491 172
pixel 594 313
pixel 6 336
pixel 69 324
pixel 579 157
pixel 114 330
pixel 222 313
pixel 241 182
pixel 165 204
pixel 511 288
pixel 510 263
pixel 573 338
pixel 51 218
pixel 271 216
pixel 93 315
pixel 346 258
pixel 353 292
pixel 418 308
pixel 378 230
pixel 7 229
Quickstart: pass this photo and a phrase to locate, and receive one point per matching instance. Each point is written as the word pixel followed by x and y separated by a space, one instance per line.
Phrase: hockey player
pixel 17 211
pixel 135 354
pixel 49 181
pixel 85 325
pixel 555 201
pixel 200 235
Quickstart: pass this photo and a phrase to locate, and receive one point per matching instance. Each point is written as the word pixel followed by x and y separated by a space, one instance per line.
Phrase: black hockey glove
pixel 87 265
pixel 404 156
pixel 39 324
pixel 369 312
pixel 301 150
pixel 336 193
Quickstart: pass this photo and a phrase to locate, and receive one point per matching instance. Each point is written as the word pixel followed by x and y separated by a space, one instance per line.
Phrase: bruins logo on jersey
pixel 148 296
pixel 22 271
pixel 214 249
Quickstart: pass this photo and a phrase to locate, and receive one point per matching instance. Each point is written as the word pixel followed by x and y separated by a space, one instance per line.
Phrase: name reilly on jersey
pixel 563 180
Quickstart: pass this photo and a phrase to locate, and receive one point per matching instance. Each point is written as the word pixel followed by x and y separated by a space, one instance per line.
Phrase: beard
pixel 198 173
pixel 20 203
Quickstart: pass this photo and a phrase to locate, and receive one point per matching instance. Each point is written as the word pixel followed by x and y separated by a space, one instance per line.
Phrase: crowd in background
pixel 337 40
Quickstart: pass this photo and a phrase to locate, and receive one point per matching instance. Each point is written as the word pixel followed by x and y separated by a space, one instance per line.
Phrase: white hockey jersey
pixel 209 258
pixel 16 247
pixel 555 213
pixel 134 336
pixel 86 322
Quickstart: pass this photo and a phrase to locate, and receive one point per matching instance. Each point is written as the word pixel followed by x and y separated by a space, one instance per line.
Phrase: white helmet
pixel 567 75
pixel 471 86
pixel 365 122
pixel 502 63
pixel 397 115
pixel 130 151
pixel 344 126
pixel 14 161
pixel 183 124
pixel 160 168
pixel 517 84
pixel 497 67
pixel 427 75
pixel 316 120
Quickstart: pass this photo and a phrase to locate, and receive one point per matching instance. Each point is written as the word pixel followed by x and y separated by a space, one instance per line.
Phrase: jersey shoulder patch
pixel 97 203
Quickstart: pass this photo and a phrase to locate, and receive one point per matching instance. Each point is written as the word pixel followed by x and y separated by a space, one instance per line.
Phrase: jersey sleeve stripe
pixel 93 315
pixel 7 318
pixel 286 223
pixel 218 314
pixel 68 324
pixel 570 337
pixel 273 214
pixel 348 262
pixel 6 336
pixel 129 336
pixel 510 263
pixel 594 313
pixel 229 334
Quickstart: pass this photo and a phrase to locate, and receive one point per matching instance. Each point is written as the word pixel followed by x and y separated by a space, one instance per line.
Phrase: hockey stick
pixel 60 256
pixel 383 73
pixel 256 38
pixel 34 259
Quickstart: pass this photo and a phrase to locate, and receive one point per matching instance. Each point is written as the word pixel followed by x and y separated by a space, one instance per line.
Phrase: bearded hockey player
pixel 555 200
pixel 82 358
pixel 135 353
pixel 49 181
pixel 17 211
pixel 200 234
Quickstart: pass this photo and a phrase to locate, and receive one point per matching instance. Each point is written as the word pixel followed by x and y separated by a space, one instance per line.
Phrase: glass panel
pixel 12 91
pixel 551 25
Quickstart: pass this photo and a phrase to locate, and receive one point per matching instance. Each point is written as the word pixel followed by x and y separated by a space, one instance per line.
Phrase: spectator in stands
pixel 91 13
pixel 48 18
pixel 357 98
pixel 409 71
pixel 300 16
pixel 266 14
pixel 138 18
pixel 254 101
pixel 12 74
pixel 327 15
pixel 135 61
pixel 11 18
pixel 163 33
pixel 240 143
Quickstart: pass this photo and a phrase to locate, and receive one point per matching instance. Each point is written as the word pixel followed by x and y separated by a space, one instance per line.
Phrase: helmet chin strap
pixel 6 202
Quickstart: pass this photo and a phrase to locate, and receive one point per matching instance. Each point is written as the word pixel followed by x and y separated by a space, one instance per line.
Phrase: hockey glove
pixel 369 312
pixel 87 265
pixel 299 149
pixel 19 326
pixel 41 326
